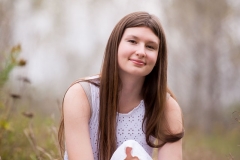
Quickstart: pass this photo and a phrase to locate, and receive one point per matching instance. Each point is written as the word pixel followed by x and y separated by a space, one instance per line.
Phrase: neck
pixel 130 94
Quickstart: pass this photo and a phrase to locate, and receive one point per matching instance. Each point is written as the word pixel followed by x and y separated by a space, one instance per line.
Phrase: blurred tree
pixel 6 17
pixel 201 24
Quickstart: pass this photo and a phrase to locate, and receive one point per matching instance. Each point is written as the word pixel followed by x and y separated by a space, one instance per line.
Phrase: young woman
pixel 129 99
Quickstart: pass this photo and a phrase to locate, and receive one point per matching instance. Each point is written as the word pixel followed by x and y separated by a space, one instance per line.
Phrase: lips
pixel 138 62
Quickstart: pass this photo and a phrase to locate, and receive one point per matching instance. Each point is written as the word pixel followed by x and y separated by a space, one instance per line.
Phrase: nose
pixel 141 52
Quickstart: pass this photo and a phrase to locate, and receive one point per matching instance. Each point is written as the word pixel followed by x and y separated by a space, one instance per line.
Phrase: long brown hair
pixel 154 90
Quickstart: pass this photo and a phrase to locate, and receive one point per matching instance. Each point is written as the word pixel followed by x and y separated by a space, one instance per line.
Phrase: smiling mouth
pixel 138 62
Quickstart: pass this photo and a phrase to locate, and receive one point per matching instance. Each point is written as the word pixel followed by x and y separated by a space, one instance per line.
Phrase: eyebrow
pixel 133 36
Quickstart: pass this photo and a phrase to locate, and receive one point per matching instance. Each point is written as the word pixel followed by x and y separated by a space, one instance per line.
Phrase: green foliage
pixel 11 62
pixel 4 74
pixel 5 125
pixel 23 135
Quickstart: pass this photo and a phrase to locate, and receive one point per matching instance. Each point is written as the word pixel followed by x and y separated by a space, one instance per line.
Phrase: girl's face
pixel 137 51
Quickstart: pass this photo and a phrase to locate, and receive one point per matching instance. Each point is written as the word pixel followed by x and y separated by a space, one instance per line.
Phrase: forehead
pixel 144 33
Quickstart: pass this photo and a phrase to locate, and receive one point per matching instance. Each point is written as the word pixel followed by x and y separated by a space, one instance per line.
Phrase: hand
pixel 129 156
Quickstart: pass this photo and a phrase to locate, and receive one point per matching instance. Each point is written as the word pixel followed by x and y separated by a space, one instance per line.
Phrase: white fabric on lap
pixel 137 150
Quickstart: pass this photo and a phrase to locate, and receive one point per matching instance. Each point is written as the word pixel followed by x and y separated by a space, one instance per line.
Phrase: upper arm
pixel 173 113
pixel 76 111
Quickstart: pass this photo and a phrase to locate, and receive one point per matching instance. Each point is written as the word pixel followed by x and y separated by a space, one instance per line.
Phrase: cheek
pixel 153 58
pixel 123 53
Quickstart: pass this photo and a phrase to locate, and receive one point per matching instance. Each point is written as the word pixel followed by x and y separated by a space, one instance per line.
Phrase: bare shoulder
pixel 76 112
pixel 76 102
pixel 174 115
pixel 172 105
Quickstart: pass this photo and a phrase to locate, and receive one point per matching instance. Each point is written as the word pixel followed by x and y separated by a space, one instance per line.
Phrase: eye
pixel 151 47
pixel 132 41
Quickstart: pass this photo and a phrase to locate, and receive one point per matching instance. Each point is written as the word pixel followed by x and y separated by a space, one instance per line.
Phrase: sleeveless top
pixel 129 125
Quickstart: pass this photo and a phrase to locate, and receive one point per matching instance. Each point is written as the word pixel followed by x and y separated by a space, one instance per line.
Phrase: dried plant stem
pixel 54 137
pixel 44 152
pixel 30 136
pixel 230 156
pixel 9 109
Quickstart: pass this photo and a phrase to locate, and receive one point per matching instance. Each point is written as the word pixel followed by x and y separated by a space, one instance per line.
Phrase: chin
pixel 142 74
pixel 135 72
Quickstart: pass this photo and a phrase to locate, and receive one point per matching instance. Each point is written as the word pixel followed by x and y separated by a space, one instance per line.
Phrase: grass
pixel 15 144
pixel 29 138
pixel 220 145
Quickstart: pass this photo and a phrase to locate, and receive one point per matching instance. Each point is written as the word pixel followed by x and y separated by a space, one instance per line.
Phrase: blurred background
pixel 47 45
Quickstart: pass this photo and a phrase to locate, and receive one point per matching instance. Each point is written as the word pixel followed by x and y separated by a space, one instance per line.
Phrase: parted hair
pixel 154 90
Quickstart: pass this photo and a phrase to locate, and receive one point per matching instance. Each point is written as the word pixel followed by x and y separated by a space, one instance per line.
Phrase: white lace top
pixel 129 126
